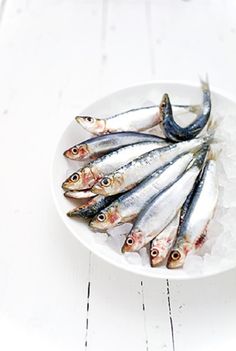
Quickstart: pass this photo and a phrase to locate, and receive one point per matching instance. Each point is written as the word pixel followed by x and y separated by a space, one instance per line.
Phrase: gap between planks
pixel 170 314
pixel 88 302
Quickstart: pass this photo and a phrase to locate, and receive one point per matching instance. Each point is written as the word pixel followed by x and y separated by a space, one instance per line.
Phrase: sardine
pixel 92 207
pixel 136 119
pixel 161 210
pixel 129 175
pixel 161 245
pixel 127 207
pixel 172 130
pixel 87 176
pixel 94 147
pixel 192 231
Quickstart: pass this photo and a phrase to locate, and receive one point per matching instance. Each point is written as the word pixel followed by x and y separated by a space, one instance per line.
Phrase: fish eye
pixel 154 253
pixel 175 255
pixel 101 217
pixel 74 177
pixel 163 104
pixel 90 119
pixel 130 241
pixel 106 181
pixel 74 150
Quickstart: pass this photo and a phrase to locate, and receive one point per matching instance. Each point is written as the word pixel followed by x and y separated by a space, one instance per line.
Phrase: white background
pixel 55 57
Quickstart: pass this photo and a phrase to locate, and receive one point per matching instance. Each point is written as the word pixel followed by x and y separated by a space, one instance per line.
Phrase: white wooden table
pixel 55 57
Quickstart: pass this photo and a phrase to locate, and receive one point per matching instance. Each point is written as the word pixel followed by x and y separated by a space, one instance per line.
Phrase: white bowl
pixel 120 101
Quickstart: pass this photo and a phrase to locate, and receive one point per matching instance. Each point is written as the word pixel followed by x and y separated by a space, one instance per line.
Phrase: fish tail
pixel 212 126
pixel 205 83
pixel 209 137
pixel 214 153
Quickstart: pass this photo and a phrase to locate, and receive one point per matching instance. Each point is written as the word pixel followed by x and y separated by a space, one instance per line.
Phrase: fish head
pixel 82 179
pixel 176 258
pixel 133 242
pixel 165 102
pixel 75 212
pixel 92 124
pixel 108 185
pixel 158 253
pixel 105 219
pixel 77 152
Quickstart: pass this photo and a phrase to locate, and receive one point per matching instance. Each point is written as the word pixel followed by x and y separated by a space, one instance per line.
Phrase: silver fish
pixel 92 148
pixel 160 211
pixel 161 245
pixel 174 131
pixel 129 175
pixel 87 176
pixel 136 119
pixel 193 229
pixel 127 207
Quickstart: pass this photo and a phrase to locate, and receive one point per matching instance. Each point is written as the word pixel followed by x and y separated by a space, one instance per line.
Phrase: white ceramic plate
pixel 120 101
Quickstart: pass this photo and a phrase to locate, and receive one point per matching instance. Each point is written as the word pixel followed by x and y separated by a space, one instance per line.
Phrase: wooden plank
pixel 187 39
pixel 44 49
pixel 126 53
pixel 194 37
pixel 204 313
pixel 116 314
pixel 125 310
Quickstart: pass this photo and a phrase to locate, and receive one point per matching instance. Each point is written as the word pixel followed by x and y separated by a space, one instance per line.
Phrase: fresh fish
pixel 161 245
pixel 129 175
pixel 172 130
pixel 193 229
pixel 135 119
pixel 92 207
pixel 87 176
pixel 94 147
pixel 80 194
pixel 127 207
pixel 161 210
